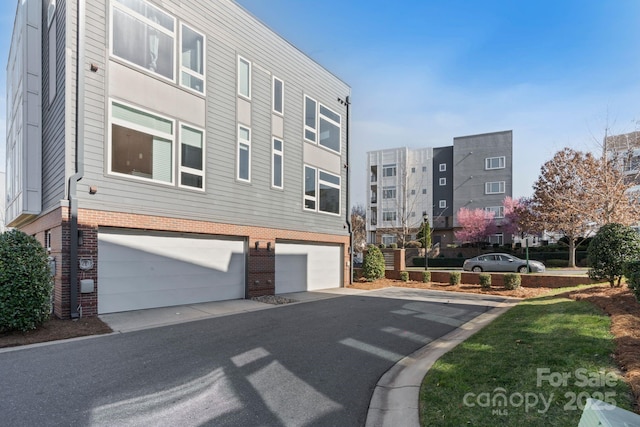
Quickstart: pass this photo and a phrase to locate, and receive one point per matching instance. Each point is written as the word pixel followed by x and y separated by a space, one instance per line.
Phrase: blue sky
pixel 557 73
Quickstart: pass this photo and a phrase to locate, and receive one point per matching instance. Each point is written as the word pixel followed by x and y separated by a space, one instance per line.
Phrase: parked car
pixel 501 262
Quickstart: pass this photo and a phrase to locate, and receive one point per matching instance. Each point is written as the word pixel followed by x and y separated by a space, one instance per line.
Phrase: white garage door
pixel 145 270
pixel 303 267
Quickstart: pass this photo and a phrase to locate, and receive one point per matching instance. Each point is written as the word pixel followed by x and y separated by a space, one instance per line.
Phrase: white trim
pixel 442 181
pixel 187 169
pixel 443 167
pixel 442 204
pixel 488 185
pixel 249 88
pixel 317 198
pixel 273 96
pixel 314 198
pixel 320 116
pixel 501 163
pixel 306 128
pixel 498 211
pixel 189 71
pixel 124 9
pixel 280 153
pixel 136 127
pixel 248 144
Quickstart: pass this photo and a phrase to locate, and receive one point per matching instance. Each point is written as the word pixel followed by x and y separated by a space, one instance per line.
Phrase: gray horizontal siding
pixel 230 31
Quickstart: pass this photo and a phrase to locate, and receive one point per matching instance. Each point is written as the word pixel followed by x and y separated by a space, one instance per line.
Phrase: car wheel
pixel 476 269
pixel 523 269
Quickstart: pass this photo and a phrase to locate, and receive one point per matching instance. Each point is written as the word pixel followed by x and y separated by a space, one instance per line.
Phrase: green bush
pixel 613 246
pixel 426 276
pixel 558 263
pixel 632 273
pixel 373 264
pixel 413 244
pixel 455 277
pixel 25 282
pixel 393 246
pixel 404 276
pixel 485 280
pixel 382 246
pixel 512 281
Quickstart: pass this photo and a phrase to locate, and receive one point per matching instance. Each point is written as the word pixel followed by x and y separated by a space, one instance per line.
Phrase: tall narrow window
pixel 277 164
pixel 329 129
pixel 192 69
pixel 278 95
pixel 244 153
pixel 309 188
pixel 329 192
pixel 244 77
pixel 310 119
pixel 141 144
pixel 191 157
pixel 143 35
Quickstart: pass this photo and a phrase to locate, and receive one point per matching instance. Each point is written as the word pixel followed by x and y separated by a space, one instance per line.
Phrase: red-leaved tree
pixel 477 225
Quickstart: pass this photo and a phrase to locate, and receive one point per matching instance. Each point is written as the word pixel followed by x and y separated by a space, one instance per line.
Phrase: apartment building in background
pixel 173 152
pixel 626 148
pixel 404 185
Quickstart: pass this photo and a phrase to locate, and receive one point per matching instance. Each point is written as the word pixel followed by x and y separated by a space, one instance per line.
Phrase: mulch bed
pixel 55 329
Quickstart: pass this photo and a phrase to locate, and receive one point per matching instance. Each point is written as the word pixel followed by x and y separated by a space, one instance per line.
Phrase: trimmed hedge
pixel 512 281
pixel 25 282
pixel 373 264
pixel 485 280
pixel 455 277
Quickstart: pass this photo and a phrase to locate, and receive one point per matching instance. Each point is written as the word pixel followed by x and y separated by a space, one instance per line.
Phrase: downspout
pixel 79 163
pixel 347 102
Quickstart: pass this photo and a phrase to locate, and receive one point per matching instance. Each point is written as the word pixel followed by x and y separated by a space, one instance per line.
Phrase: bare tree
pixel 358 227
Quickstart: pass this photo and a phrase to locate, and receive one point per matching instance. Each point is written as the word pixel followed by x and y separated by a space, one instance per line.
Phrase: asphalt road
pixel 311 364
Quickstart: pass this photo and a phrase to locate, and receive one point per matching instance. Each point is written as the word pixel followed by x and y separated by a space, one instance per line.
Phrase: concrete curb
pixel 395 399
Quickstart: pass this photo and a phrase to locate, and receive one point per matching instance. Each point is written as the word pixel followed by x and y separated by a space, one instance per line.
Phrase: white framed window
pixel 498 211
pixel 278 95
pixel 192 64
pixel 494 163
pixel 442 204
pixel 321 191
pixel 388 239
pixel 143 35
pixel 192 157
pixel 244 154
pixel 388 170
pixel 277 164
pixel 141 144
pixel 496 187
pixel 244 77
pixel 389 192
pixel 497 239
pixel 413 170
pixel 389 215
pixel 310 119
pixel 330 129
pixel 442 181
pixel 424 169
pixel 442 167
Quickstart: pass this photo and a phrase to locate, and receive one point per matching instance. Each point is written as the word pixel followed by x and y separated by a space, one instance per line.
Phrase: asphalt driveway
pixel 310 364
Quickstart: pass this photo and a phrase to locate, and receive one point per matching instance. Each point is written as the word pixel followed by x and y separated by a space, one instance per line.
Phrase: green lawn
pixel 533 366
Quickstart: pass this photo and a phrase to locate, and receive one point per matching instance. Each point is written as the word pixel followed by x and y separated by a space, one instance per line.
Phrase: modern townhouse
pixel 408 186
pixel 173 152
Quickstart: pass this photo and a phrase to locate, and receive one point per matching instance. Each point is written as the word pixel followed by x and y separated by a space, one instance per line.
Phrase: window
pixel 413 192
pixel 47 241
pixel 494 187
pixel 413 170
pixel 141 144
pixel 310 119
pixel 244 153
pixel 309 188
pixel 442 181
pixel 388 239
pixel 326 196
pixel 143 35
pixel 389 193
pixel 443 167
pixel 388 170
pixel 424 191
pixel 191 157
pixel 244 77
pixel 413 214
pixel 192 69
pixel 498 211
pixel 389 215
pixel 330 129
pixel 276 163
pixel 424 169
pixel 442 204
pixel 278 96
pixel 494 163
